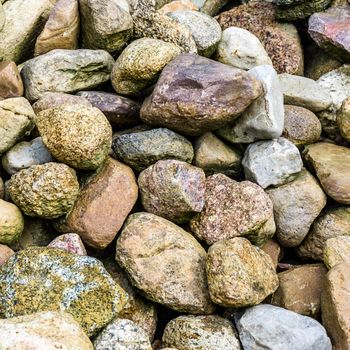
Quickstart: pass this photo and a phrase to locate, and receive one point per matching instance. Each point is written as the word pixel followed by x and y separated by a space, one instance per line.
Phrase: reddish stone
pixel 5 253
pixel 71 242
pixel 11 84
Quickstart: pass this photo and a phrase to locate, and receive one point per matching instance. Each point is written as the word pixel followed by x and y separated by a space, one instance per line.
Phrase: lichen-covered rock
pixel 71 242
pixel 49 279
pixel 336 250
pixel 11 222
pixel 343 119
pixel 76 135
pixel 11 84
pixel 47 191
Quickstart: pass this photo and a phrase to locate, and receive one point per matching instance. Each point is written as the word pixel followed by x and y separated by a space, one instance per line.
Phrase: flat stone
pixel 343 119
pixel 50 279
pixel 272 327
pixel 11 84
pixel 172 189
pixel 71 242
pixel 182 98
pixel 239 274
pixel 5 253
pixel 165 262
pixel 296 205
pixel 233 209
pixel 336 250
pixel 274 162
pixel 332 166
pixel 43 331
pixel 11 222
pixel 200 333
pixel 264 118
pixel 61 30
pixel 65 71
pixel 178 5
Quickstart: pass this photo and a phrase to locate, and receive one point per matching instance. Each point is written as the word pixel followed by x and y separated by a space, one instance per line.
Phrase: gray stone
pixel 2 16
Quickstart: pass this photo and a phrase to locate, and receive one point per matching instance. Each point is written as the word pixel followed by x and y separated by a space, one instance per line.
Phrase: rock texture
pixel 71 242
pixel 11 222
pixel 336 250
pixel 11 84
pixel 343 119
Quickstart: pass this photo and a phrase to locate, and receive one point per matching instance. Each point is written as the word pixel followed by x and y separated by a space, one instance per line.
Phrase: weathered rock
pixel 5 253
pixel 165 262
pixel 11 222
pixel 43 331
pixel 122 334
pixel 233 209
pixel 2 188
pixel 273 250
pixel 11 84
pixel 172 189
pixel 332 166
pixel 335 307
pixel 2 16
pixel 47 191
pixel 274 162
pixel 61 30
pixel 239 274
pixel 182 98
pixel 296 205
pixel 16 121
pixel 144 148
pixel 343 119
pixel 105 25
pixel 50 279
pixel 242 49
pixel 76 135
pixel 264 118
pixel 140 64
pixel 71 242
pixel 272 327
pixel 103 205
pixel 65 71
pixel 176 5
pixel 336 250
pixel 200 333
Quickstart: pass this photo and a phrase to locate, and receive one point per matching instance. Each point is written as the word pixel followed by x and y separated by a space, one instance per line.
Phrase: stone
pixel 25 154
pixel 2 188
pixel 65 71
pixel 43 331
pixel 296 205
pixel 273 250
pixel 24 20
pixel 76 135
pixel 332 168
pixel 274 162
pixel 5 253
pixel 233 209
pixel 332 223
pixel 214 156
pixel 176 5
pixel 241 49
pixel 142 149
pixel 239 274
pixel 281 40
pixel 212 7
pixel 172 189
pixel 205 30
pixel 272 327
pixel 300 290
pixel 11 222
pixel 335 309
pixel 336 250
pixel 16 121
pixel 132 72
pixel 343 119
pixel 122 334
pixel 2 16
pixel 105 25
pixel 301 126
pixel 61 30
pixel 304 92
pixel 50 279
pixel 120 111
pixel 264 118
pixel 330 30
pixel 71 242
pixel 46 191
pixel 165 262
pixel 11 84
pixel 102 205
pixel 201 333
pixel 182 98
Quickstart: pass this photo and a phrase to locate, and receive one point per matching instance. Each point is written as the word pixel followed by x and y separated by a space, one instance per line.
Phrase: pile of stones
pixel 174 174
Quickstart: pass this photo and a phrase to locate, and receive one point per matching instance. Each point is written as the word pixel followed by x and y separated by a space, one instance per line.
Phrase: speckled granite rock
pixel 165 262
pixel 60 281
pixel 343 119
pixel 11 84
pixel 76 135
pixel 5 253
pixel 71 242
pixel 336 250
pixel 234 209
pixel 239 274
pixel 47 191
pixel 11 222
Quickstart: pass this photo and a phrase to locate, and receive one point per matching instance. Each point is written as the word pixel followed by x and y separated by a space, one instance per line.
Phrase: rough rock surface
pixel 11 222
pixel 71 242
pixel 11 84
pixel 343 119
pixel 5 253
pixel 336 250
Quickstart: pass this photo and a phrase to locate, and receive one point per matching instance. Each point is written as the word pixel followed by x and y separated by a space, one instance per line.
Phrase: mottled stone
pixel 182 98
pixel 5 253
pixel 233 209
pixel 47 191
pixel 11 222
pixel 212 7
pixel 76 135
pixel 201 333
pixel 176 5
pixel 50 279
pixel 165 262
pixel 71 242
pixel 65 71
pixel 336 250
pixel 343 119
pixel 273 250
pixel 2 188
pixel 239 274
pixel 140 149
pixel 140 64
pixel 11 84
pixel 2 16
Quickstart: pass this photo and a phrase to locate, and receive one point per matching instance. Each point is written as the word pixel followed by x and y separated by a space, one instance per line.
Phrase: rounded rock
pixel 71 242
pixel 343 119
pixel 11 222
pixel 5 253
pixel 336 250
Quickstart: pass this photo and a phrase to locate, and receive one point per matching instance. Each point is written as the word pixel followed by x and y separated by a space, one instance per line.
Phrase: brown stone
pixel 177 5
pixel 5 253
pixel 2 188
pixel 343 119
pixel 336 250
pixel 11 84
pixel 273 249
